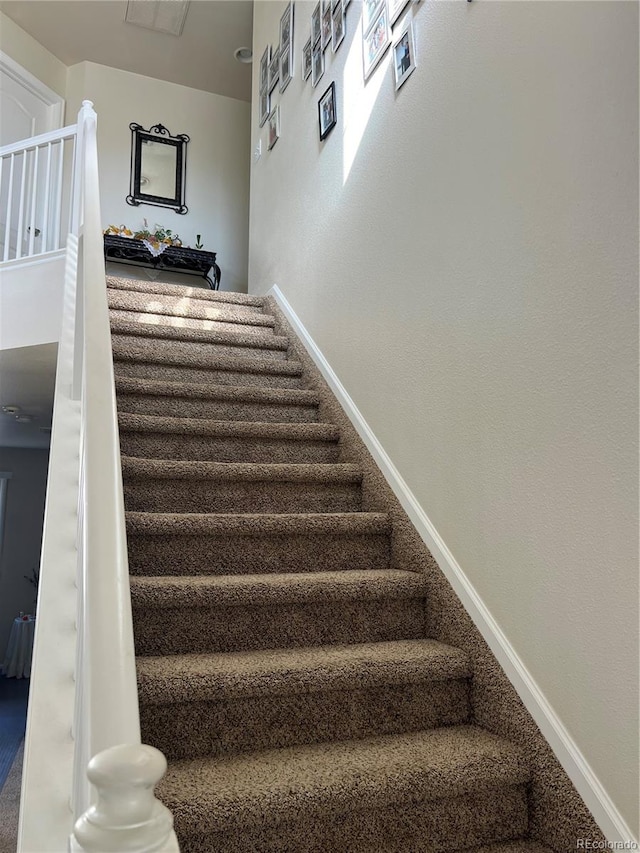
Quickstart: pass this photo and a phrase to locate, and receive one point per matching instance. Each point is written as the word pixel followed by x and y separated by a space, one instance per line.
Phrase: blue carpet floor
pixel 14 693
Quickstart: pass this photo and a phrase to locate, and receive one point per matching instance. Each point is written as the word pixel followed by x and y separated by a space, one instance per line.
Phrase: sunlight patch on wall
pixel 359 100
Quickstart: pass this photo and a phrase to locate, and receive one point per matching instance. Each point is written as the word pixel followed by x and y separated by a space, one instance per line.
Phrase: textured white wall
pixel 217 183
pixel 23 286
pixel 464 252
pixel 29 53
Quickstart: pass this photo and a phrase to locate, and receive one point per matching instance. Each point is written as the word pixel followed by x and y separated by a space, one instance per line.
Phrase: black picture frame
pixel 141 141
pixel 327 112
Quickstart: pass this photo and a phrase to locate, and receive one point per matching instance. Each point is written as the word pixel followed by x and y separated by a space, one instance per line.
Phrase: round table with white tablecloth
pixel 17 659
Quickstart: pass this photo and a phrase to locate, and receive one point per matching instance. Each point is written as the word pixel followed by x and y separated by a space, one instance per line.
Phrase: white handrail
pixel 101 768
pixel 68 132
pixel 109 697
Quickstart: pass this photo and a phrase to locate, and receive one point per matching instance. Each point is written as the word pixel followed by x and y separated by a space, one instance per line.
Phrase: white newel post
pixel 127 816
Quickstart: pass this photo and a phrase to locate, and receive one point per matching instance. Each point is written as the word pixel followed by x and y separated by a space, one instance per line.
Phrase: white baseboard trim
pixel 574 763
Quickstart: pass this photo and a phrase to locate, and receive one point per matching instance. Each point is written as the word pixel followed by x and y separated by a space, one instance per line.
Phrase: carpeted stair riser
pixel 439 826
pixel 226 449
pixel 162 495
pixel 186 352
pixel 220 297
pixel 219 373
pixel 223 629
pixel 268 722
pixel 258 324
pixel 443 789
pixel 226 555
pixel 152 485
pixel 281 697
pixel 216 410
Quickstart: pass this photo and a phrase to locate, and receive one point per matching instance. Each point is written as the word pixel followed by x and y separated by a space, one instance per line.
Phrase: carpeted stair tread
pixel 214 795
pixel 254 340
pixel 168 306
pixel 274 589
pixel 228 321
pixel 231 393
pixel 234 429
pixel 258 524
pixel 252 472
pixel 197 677
pixel 143 287
pixel 201 357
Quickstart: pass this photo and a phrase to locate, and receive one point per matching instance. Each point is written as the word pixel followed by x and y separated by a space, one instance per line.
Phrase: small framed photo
pixel 306 60
pixel 404 55
pixel 265 105
pixel 327 116
pixel 395 10
pixel 274 127
pixel 264 68
pixel 274 69
pixel 376 42
pixel 286 27
pixel 286 66
pixel 326 26
pixel 317 64
pixel 316 24
pixel 338 28
pixel 370 12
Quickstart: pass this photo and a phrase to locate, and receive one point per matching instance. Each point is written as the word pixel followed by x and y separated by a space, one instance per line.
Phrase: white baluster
pixel 127 816
pixel 7 224
pixel 34 203
pixel 45 204
pixel 20 235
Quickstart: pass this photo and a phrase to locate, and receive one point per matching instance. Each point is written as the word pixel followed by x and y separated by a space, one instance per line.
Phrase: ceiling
pixel 95 31
pixel 27 380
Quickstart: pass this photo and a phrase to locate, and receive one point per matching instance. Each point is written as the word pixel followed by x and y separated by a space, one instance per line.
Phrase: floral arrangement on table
pixel 156 241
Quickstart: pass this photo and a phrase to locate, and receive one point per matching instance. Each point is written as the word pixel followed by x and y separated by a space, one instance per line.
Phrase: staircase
pixel 286 662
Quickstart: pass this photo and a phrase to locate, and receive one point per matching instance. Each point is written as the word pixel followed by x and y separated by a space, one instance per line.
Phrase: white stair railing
pixel 34 208
pixel 111 775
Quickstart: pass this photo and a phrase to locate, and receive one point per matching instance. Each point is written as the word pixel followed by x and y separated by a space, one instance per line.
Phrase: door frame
pixel 36 87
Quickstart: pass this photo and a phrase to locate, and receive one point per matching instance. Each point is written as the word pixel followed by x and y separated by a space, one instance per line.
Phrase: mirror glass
pixel 158 167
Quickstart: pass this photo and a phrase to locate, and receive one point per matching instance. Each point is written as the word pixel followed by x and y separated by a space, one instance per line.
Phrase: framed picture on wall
pixel 376 42
pixel 286 66
pixel 286 27
pixel 404 55
pixel 327 116
pixel 274 127
pixel 395 10
pixel 316 24
pixel 317 64
pixel 306 60
pixel 338 28
pixel 370 12
pixel 326 26
pixel 274 69
pixel 264 106
pixel 264 68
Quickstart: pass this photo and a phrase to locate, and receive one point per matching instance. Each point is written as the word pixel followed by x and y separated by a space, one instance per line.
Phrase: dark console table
pixel 125 250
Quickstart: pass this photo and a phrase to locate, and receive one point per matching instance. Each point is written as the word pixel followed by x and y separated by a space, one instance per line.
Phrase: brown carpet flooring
pixel 302 662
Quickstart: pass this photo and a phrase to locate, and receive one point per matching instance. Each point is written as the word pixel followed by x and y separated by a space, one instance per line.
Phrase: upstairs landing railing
pixel 35 208
pixel 108 775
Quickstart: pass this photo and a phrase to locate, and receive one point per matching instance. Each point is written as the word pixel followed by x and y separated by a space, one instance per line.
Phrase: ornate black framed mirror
pixel 158 167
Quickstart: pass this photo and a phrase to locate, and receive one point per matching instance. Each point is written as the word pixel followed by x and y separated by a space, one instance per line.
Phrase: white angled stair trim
pixel 566 750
